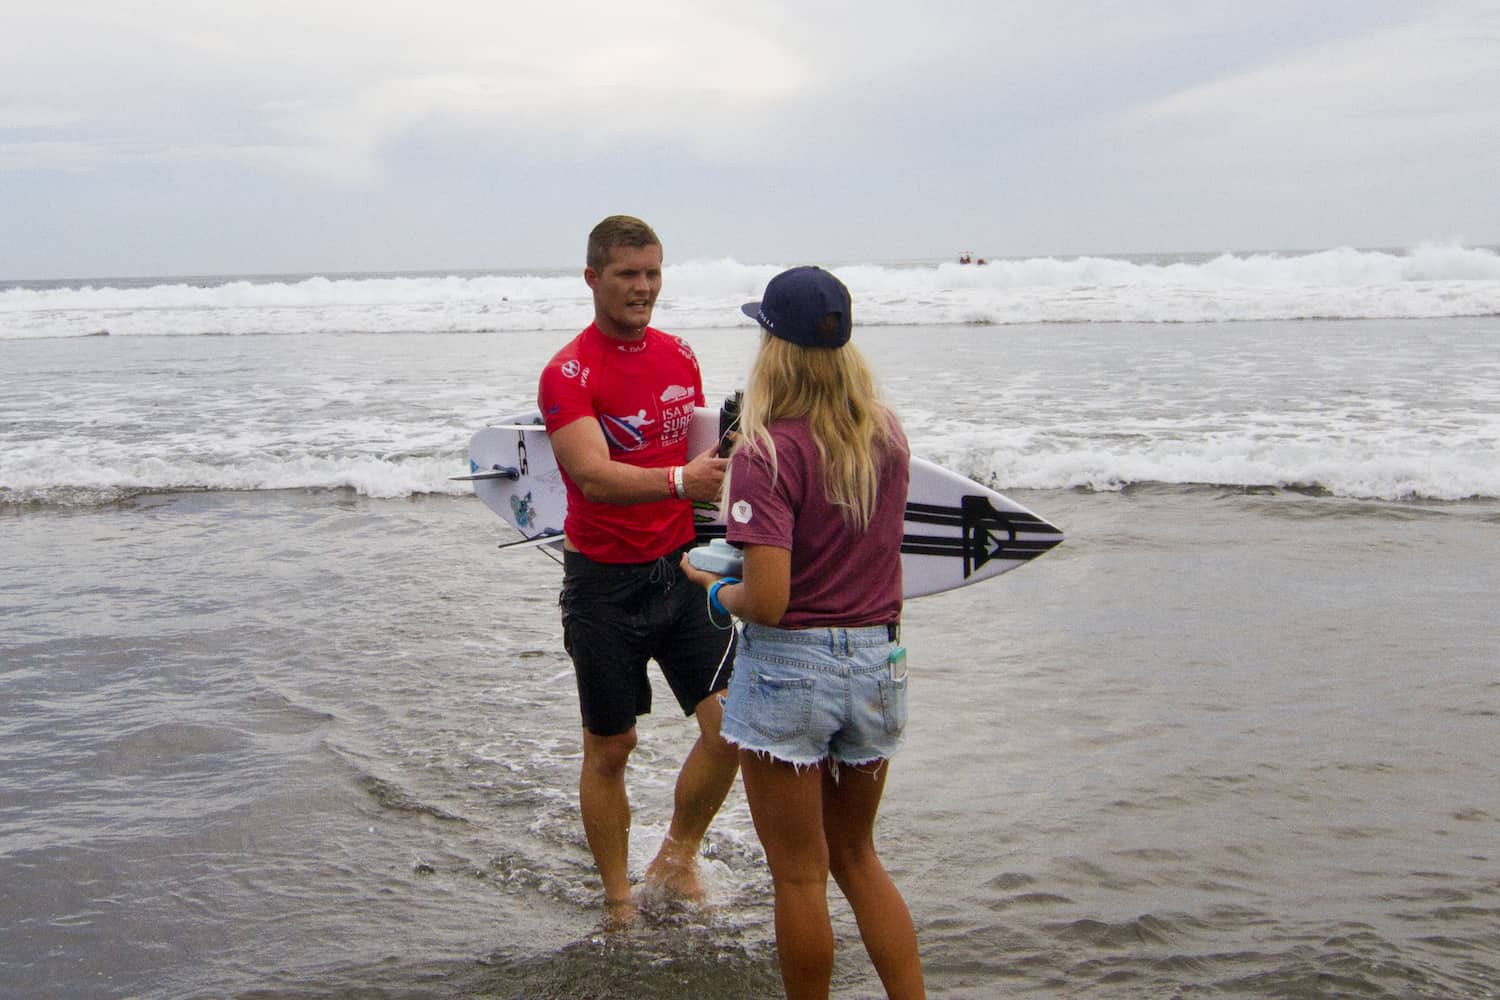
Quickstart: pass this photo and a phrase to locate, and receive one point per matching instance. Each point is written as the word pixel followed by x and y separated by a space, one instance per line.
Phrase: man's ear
pixel 591 277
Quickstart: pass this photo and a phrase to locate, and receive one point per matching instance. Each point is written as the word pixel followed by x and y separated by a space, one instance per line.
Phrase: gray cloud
pixel 334 135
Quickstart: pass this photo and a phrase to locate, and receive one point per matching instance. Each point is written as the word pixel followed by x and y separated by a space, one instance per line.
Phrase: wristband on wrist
pixel 678 487
pixel 713 593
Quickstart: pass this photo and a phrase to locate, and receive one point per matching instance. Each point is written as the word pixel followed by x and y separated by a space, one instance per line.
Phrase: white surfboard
pixel 957 531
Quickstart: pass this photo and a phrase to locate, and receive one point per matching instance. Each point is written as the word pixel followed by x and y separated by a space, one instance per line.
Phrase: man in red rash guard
pixel 617 401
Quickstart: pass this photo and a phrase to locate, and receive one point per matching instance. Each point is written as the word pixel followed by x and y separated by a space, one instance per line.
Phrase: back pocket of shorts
pixel 778 707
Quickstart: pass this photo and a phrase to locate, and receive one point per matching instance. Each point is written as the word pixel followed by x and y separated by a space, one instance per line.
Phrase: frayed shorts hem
pixel 770 753
pixel 831 762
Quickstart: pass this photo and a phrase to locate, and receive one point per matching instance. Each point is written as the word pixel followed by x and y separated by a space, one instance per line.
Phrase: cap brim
pixel 751 309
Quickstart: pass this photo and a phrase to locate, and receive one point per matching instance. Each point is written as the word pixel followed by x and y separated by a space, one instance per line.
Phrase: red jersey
pixel 840 576
pixel 642 394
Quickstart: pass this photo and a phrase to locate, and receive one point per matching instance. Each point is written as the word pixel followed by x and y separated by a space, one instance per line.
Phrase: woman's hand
pixel 701 577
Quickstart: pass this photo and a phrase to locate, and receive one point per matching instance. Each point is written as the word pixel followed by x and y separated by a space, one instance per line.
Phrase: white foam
pixel 1343 458
pixel 1362 409
pixel 1433 280
pixel 1378 466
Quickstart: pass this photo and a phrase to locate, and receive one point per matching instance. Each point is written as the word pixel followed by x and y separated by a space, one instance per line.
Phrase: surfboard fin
pixel 546 538
pixel 498 472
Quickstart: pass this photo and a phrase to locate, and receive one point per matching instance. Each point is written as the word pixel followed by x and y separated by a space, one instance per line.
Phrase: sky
pixel 176 137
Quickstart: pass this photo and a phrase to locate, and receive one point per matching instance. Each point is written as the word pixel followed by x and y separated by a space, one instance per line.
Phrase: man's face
pixel 625 291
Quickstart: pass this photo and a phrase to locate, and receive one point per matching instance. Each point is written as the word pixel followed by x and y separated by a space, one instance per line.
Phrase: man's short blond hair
pixel 617 231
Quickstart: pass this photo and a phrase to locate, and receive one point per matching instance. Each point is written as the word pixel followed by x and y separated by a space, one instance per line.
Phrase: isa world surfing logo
pixel 625 433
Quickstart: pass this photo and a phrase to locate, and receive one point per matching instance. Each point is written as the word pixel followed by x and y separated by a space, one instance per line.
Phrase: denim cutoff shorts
pixel 808 695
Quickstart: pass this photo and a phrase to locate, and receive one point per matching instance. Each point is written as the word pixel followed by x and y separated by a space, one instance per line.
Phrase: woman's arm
pixel 763 595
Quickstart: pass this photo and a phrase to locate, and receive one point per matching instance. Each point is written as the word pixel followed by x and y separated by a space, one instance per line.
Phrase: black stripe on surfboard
pixel 953 548
pixel 926 513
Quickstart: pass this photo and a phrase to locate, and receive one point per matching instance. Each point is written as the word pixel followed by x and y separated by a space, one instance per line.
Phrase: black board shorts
pixel 616 616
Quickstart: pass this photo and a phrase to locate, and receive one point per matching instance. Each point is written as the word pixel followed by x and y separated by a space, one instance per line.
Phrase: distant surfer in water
pixel 617 401
pixel 818 701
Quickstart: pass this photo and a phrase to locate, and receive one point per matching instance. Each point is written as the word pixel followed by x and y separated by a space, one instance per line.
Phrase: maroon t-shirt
pixel 840 576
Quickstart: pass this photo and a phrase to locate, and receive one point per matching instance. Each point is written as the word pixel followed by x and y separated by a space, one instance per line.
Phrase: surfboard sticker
pixel 957 532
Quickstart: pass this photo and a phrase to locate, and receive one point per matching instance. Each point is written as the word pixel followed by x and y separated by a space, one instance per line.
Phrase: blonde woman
pixel 817 703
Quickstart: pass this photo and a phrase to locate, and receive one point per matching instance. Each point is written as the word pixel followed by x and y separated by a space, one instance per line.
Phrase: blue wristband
pixel 713 593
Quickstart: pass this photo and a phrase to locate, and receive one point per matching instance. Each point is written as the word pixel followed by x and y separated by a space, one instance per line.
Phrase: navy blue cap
pixel 807 306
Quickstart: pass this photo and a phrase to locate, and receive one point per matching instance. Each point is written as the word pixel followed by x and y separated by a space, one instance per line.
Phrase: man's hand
pixel 703 477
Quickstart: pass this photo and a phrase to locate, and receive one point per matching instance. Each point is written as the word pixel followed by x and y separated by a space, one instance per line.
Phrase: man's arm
pixel 583 454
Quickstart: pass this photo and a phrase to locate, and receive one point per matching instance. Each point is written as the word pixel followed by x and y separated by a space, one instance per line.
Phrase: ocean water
pixel 277 719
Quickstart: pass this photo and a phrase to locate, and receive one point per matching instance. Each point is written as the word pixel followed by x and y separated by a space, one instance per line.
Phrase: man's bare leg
pixel 606 816
pixel 705 779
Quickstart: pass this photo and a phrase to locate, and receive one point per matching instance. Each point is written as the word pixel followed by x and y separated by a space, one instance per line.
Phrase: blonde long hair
pixel 834 389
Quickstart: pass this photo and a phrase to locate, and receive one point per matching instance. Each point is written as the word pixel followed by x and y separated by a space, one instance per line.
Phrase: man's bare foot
pixel 620 914
pixel 673 875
